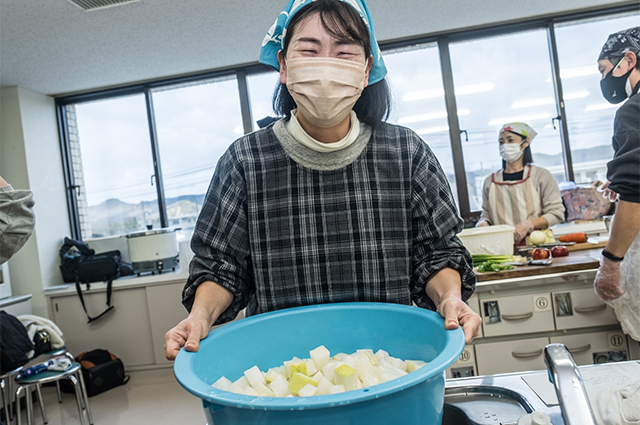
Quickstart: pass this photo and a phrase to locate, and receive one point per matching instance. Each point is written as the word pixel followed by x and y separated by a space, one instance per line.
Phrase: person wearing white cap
pixel 520 194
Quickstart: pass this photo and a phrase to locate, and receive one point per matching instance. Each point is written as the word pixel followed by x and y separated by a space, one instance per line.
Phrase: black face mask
pixel 614 88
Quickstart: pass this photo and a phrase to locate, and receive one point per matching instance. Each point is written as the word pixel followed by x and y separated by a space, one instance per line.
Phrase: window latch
pixel 466 135
pixel 553 121
pixel 153 176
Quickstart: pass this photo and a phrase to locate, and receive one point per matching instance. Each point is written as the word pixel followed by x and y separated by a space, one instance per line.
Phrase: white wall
pixel 30 159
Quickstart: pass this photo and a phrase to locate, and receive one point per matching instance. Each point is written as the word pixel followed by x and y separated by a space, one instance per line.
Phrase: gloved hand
pixel 483 223
pixel 522 230
pixel 608 193
pixel 607 282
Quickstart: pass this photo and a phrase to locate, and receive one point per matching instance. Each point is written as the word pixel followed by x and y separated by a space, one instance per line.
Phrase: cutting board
pixel 602 242
pixel 571 263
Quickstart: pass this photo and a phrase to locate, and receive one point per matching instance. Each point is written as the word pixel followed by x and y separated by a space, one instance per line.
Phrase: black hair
pixel 343 22
pixel 527 156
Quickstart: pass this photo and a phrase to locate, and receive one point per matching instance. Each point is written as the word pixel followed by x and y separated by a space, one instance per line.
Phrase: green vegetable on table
pixel 492 266
pixel 482 258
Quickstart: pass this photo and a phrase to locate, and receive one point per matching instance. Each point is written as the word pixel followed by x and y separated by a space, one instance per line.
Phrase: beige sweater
pixel 552 207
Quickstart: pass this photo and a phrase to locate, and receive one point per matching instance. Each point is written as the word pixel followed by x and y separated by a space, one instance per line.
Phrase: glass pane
pixel 589 115
pixel 261 87
pixel 500 80
pixel 418 100
pixel 195 124
pixel 111 157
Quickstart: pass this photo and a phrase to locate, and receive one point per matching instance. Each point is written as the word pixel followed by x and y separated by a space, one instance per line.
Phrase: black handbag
pixel 101 370
pixel 80 264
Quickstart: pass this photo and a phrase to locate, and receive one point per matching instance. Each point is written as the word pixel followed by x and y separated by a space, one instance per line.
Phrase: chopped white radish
pixel 335 389
pixel 280 386
pixel 254 376
pixel 328 369
pixel 308 390
pixel 347 376
pixel 364 367
pixel 239 385
pixel 414 364
pixel 320 356
pixel 222 384
pixel 370 381
pixel 250 391
pixel 298 380
pixel 324 385
pixel 399 364
pixel 263 390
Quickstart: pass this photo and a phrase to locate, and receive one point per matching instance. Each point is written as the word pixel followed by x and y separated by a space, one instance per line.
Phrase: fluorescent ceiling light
pixel 579 71
pixel 431 93
pixel 430 116
pixel 548 100
pixel 431 130
pixel 521 118
pixel 599 106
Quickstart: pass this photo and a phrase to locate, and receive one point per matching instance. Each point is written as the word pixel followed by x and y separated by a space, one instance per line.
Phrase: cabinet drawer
pixel 511 356
pixel 581 308
pixel 514 315
pixel 474 303
pixel 465 365
pixel 599 347
pixel 634 348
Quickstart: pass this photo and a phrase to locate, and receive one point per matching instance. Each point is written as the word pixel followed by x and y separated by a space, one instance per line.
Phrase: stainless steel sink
pixel 484 405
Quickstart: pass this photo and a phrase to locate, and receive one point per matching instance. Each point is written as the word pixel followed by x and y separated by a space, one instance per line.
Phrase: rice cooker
pixel 153 250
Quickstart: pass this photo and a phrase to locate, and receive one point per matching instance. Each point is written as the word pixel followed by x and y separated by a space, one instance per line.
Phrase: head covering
pixel 520 128
pixel 274 40
pixel 621 42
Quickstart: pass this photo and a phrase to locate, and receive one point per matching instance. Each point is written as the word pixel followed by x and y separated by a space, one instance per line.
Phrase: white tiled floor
pixel 150 397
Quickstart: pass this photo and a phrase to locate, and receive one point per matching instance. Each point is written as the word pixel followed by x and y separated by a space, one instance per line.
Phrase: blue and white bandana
pixel 274 40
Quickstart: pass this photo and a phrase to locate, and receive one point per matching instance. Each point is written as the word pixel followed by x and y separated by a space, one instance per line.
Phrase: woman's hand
pixel 607 282
pixel 187 334
pixel 522 230
pixel 456 312
pixel 483 223
pixel 608 193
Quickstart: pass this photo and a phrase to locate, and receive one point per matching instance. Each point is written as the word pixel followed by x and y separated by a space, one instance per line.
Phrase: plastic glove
pixel 483 223
pixel 608 193
pixel 607 282
pixel 522 230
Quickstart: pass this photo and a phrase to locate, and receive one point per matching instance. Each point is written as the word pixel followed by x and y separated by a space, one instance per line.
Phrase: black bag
pixel 14 343
pixel 41 342
pixel 80 264
pixel 101 371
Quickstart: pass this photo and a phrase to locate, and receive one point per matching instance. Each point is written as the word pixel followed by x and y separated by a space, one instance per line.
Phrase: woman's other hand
pixel 187 334
pixel 482 223
pixel 457 313
pixel 522 230
pixel 607 282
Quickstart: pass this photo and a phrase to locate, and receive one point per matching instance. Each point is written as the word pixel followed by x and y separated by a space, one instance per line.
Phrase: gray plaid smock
pixel 279 234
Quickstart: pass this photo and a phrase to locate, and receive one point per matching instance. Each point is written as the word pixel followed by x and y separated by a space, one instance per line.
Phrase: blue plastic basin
pixel 267 340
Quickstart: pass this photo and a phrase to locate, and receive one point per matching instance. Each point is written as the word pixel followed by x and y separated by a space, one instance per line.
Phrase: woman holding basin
pixel 329 204
pixel 520 194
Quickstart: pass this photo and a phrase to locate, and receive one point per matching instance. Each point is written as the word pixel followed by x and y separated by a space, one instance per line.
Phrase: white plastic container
pixel 491 240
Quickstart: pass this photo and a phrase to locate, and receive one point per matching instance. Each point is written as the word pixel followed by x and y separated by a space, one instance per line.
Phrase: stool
pixel 6 388
pixel 74 373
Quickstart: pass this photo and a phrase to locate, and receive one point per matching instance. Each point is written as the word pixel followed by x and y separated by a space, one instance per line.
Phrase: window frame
pixel 240 73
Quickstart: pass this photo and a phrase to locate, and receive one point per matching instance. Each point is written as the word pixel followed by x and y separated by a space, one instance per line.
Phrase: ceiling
pixel 54 47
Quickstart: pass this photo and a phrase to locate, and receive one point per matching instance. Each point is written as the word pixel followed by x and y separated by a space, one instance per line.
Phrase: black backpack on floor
pixel 101 371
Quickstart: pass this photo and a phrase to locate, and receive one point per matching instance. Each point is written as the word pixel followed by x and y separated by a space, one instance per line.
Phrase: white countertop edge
pixel 121 283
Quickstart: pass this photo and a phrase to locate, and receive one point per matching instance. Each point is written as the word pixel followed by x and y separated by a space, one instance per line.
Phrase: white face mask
pixel 510 152
pixel 325 89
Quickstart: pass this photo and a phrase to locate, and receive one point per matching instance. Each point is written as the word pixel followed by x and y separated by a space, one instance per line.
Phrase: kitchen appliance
pixel 153 250
pixel 491 240
pixel 266 340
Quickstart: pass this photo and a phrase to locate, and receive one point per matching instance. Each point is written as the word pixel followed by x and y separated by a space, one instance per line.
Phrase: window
pixel 261 88
pixel 418 100
pixel 144 155
pixel 195 126
pixel 589 115
pixel 112 166
pixel 499 80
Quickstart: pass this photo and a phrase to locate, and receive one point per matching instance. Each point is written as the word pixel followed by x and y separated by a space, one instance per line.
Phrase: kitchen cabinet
pixel 595 348
pixel 145 308
pixel 125 331
pixel 164 315
pixel 511 356
pixel 516 314
pixel 465 366
pixel 581 308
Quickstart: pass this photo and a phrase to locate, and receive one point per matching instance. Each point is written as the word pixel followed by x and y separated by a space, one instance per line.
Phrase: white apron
pixel 627 307
pixel 513 202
